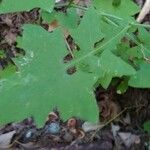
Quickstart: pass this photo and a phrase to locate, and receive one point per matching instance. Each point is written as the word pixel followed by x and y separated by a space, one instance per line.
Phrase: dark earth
pixel 122 116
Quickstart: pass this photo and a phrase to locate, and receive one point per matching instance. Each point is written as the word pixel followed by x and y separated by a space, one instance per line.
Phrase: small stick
pixel 107 123
pixel 68 46
pixel 145 10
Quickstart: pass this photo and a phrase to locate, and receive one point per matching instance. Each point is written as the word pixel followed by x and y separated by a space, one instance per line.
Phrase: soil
pixel 118 132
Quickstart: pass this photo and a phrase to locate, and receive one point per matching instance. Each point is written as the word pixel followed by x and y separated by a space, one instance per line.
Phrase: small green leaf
pixel 10 6
pixel 113 66
pixel 142 78
pixel 144 37
pixel 147 126
pixel 2 54
pixel 87 34
pixel 105 80
pixel 122 87
pixel 128 54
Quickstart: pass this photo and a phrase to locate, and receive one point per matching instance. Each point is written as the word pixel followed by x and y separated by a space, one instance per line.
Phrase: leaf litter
pixel 74 133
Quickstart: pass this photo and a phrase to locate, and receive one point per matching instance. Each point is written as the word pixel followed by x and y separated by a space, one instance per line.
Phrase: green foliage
pixel 142 77
pixel 124 10
pixel 67 20
pixel 7 71
pixel 88 33
pixel 107 48
pixel 116 3
pixel 147 126
pixel 2 54
pixel 42 82
pixel 115 67
pixel 9 6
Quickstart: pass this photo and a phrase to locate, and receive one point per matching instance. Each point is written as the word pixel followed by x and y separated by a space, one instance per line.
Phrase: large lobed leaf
pixel 42 82
pixel 106 65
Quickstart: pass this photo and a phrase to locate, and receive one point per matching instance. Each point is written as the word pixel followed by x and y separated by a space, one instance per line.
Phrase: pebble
pixel 28 134
pixel 53 128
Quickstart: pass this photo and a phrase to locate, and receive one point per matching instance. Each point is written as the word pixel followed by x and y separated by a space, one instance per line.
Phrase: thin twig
pixel 68 46
pixel 141 45
pixel 107 123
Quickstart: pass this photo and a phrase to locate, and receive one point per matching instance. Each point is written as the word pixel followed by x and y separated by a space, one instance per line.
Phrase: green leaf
pixel 125 10
pixel 105 80
pixel 69 19
pixel 142 78
pixel 48 17
pixel 129 54
pixel 2 54
pixel 9 6
pixel 113 66
pixel 147 126
pixel 9 70
pixel 144 37
pixel 85 37
pixel 42 82
pixel 123 86
pixel 87 34
pixel 113 36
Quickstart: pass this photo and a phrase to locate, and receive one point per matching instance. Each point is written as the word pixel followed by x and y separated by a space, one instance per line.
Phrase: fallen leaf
pixel 5 139
pixel 88 126
pixel 108 108
pixel 128 138
pixel 10 38
pixel 115 129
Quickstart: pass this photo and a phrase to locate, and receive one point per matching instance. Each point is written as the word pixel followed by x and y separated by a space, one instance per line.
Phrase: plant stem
pixel 102 46
pixel 101 13
pixel 69 48
pixel 141 25
pixel 107 123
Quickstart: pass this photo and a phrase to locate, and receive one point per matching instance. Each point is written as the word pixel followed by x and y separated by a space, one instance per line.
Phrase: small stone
pixel 28 134
pixel 53 128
